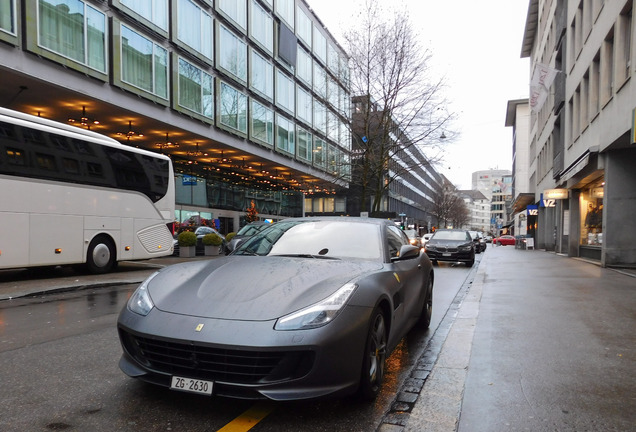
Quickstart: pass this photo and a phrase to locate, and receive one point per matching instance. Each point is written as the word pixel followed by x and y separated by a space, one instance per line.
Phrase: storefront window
pixel 592 215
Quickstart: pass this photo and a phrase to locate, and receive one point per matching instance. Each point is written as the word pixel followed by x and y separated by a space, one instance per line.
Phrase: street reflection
pixel 31 320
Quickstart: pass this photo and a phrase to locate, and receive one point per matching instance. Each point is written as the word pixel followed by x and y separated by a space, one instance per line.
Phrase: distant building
pixel 478 208
pixel 496 185
pixel 523 189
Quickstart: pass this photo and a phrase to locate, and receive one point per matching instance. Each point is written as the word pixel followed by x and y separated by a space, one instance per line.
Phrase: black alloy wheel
pixel 373 362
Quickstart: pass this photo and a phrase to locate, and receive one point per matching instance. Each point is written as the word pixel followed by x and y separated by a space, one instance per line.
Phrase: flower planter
pixel 211 250
pixel 187 251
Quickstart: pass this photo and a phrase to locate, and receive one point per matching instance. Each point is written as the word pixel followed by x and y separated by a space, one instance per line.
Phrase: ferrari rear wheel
pixel 374 359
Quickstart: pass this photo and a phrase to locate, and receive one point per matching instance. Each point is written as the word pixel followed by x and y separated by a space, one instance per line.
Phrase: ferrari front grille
pixel 218 364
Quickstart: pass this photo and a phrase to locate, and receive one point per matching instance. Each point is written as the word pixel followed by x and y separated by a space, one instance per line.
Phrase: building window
pixel 304 105
pixel 304 66
pixel 334 59
pixel 332 126
pixel 319 152
pixel 594 89
pixel 333 94
pixel 144 64
pixel 261 75
pixel 303 26
pixel 284 135
pixel 320 45
pixel 284 91
pixel 304 147
pixel 236 11
pixel 232 54
pixel 261 27
pixel 285 10
pixel 196 89
pixel 195 28
pixel 262 124
pixel 591 202
pixel 232 105
pixel 320 80
pixel 8 16
pixel 345 136
pixel 607 68
pixel 332 160
pixel 623 44
pixel 154 11
pixel 320 117
pixel 73 29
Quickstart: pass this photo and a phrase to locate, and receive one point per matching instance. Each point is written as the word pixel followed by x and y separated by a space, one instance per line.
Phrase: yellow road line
pixel 249 418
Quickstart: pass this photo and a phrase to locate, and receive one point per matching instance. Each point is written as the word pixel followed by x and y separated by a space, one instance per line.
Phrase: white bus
pixel 73 196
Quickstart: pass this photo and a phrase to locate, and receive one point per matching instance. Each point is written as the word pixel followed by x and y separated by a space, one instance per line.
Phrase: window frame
pixel 269 95
pixel 272 132
pixel 221 62
pixel 177 96
pixel 240 96
pixel 118 72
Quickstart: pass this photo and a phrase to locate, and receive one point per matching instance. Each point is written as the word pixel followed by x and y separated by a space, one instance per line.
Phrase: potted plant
pixel 212 243
pixel 187 244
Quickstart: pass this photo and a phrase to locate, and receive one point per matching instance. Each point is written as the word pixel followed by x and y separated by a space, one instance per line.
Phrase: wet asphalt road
pixel 60 351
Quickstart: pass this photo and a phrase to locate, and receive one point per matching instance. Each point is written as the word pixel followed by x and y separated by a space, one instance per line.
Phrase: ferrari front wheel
pixel 374 359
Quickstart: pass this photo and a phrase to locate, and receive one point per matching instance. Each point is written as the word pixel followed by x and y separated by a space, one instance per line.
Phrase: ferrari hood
pixel 250 288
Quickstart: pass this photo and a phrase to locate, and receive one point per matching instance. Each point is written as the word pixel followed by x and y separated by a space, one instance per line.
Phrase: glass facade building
pixel 250 98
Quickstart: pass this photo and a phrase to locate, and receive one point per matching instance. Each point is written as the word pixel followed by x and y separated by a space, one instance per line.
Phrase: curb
pixel 430 399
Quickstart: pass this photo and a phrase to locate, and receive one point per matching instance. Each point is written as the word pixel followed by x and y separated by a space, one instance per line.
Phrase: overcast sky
pixel 476 45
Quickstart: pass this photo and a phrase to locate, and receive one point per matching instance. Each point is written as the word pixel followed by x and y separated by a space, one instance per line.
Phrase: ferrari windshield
pixel 317 239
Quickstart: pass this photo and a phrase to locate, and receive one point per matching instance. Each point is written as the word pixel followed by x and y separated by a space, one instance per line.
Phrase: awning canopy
pixel 521 202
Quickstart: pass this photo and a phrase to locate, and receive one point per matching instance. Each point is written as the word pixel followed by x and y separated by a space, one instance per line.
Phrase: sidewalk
pixel 540 342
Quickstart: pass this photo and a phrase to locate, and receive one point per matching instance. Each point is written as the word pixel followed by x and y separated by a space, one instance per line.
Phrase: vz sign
pixel 549 203
pixel 533 212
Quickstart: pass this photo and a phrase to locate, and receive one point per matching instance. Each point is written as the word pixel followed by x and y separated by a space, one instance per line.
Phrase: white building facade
pixel 582 128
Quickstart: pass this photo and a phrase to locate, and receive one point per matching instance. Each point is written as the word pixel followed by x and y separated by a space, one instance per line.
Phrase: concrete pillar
pixel 619 202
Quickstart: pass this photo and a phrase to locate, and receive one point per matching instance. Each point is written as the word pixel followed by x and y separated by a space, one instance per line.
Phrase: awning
pixel 521 202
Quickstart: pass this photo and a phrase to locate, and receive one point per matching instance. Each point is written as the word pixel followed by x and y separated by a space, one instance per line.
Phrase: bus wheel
pixel 100 257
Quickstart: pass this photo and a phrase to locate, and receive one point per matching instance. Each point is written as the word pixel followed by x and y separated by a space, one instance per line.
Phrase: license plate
pixel 446 254
pixel 191 385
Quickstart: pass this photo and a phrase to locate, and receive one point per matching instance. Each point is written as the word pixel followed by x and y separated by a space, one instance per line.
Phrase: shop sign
pixel 555 194
pixel 188 180
pixel 532 210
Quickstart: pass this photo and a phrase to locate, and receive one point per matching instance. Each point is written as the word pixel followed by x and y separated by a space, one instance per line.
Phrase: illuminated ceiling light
pixel 84 120
pixel 131 133
pixel 197 152
pixel 167 143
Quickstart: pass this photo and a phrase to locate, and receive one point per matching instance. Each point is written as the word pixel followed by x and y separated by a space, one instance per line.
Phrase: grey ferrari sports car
pixel 307 308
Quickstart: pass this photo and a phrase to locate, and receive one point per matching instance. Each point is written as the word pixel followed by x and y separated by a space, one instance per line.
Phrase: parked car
pixel 453 245
pixel 413 237
pixel 246 232
pixel 505 240
pixel 478 239
pixel 200 232
pixel 304 309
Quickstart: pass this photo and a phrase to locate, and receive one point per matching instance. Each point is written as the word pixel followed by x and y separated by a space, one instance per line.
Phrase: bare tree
pixel 397 106
pixel 449 208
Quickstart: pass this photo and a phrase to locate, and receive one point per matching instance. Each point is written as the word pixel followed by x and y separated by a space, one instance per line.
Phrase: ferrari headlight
pixel 319 314
pixel 140 302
